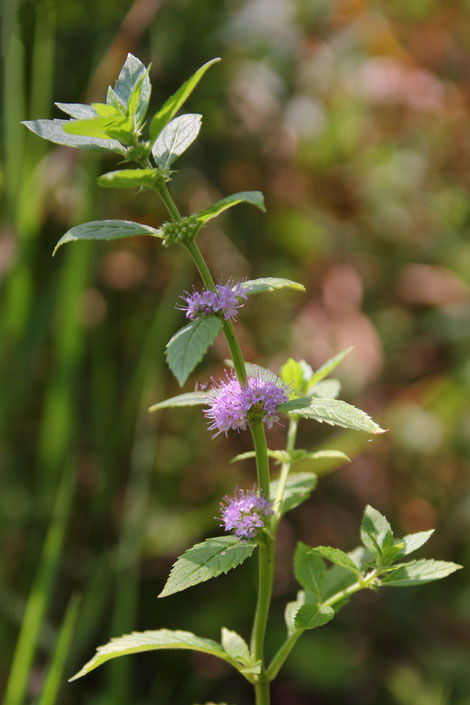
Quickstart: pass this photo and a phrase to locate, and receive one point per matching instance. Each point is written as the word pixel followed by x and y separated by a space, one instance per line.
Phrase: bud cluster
pixel 182 231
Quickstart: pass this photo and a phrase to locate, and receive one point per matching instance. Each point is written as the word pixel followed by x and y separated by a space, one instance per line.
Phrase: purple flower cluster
pixel 245 513
pixel 232 406
pixel 225 301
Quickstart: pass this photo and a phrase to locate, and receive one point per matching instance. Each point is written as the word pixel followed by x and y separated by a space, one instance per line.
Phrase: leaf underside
pixel 331 411
pixel 188 399
pixel 106 230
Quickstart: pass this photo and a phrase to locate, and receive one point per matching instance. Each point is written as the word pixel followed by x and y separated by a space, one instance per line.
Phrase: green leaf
pixel 258 286
pixel 255 198
pixel 327 367
pixel 174 103
pixel 207 560
pixel 412 542
pixel 188 399
pixel 189 345
pixel 79 111
pixel 337 557
pixel 236 646
pixel 312 615
pixel 374 531
pixel 292 374
pixel 106 230
pixel 133 75
pixel 298 488
pixel 152 640
pixel 326 389
pixel 128 178
pixel 309 570
pixel 118 127
pixel 333 412
pixel 419 572
pixel 291 610
pixel 175 138
pixel 53 130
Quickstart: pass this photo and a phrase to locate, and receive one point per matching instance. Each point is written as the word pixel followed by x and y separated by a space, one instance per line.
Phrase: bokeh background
pixel 353 118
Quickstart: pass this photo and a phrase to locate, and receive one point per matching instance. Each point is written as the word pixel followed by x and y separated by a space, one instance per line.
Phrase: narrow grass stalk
pixel 55 674
pixel 40 593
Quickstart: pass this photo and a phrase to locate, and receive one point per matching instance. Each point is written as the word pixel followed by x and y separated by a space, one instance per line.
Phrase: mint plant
pixel 247 398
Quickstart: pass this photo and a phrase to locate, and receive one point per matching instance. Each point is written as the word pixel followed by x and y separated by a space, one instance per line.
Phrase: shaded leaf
pixel 207 560
pixel 298 488
pixel 374 530
pixel 309 570
pixel 188 399
pixel 189 345
pixel 255 198
pixel 133 75
pixel 311 616
pixel 291 610
pixel 174 103
pixel 53 130
pixel 106 230
pixel 236 646
pixel 331 411
pixel 175 138
pixel 338 557
pixel 151 640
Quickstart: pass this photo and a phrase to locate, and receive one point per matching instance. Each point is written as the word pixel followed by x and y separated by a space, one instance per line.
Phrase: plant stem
pixel 285 468
pixel 287 646
pixel 266 548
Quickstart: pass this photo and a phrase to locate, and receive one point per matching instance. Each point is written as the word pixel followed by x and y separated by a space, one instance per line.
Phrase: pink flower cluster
pixel 225 301
pixel 233 406
pixel 245 513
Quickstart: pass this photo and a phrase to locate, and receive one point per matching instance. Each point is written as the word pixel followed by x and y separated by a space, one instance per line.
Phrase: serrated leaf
pixel 327 367
pixel 128 178
pixel 175 138
pixel 236 646
pixel 207 560
pixel 132 73
pixel 151 640
pixel 309 570
pixel 326 389
pixel 420 572
pixel 298 488
pixel 79 111
pixel 412 542
pixel 331 411
pixel 53 130
pixel 291 610
pixel 338 557
pixel 188 399
pixel 189 345
pixel 175 102
pixel 259 286
pixel 311 616
pixel 374 530
pixel 106 230
pixel 255 198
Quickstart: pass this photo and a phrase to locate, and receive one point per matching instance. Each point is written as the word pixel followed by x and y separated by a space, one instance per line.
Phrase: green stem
pixel 288 645
pixel 285 468
pixel 266 549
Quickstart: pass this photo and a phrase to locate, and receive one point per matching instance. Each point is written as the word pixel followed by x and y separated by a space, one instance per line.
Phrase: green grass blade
pixel 40 593
pixel 55 675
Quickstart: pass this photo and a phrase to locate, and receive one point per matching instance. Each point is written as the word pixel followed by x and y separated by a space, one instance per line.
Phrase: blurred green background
pixel 352 118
